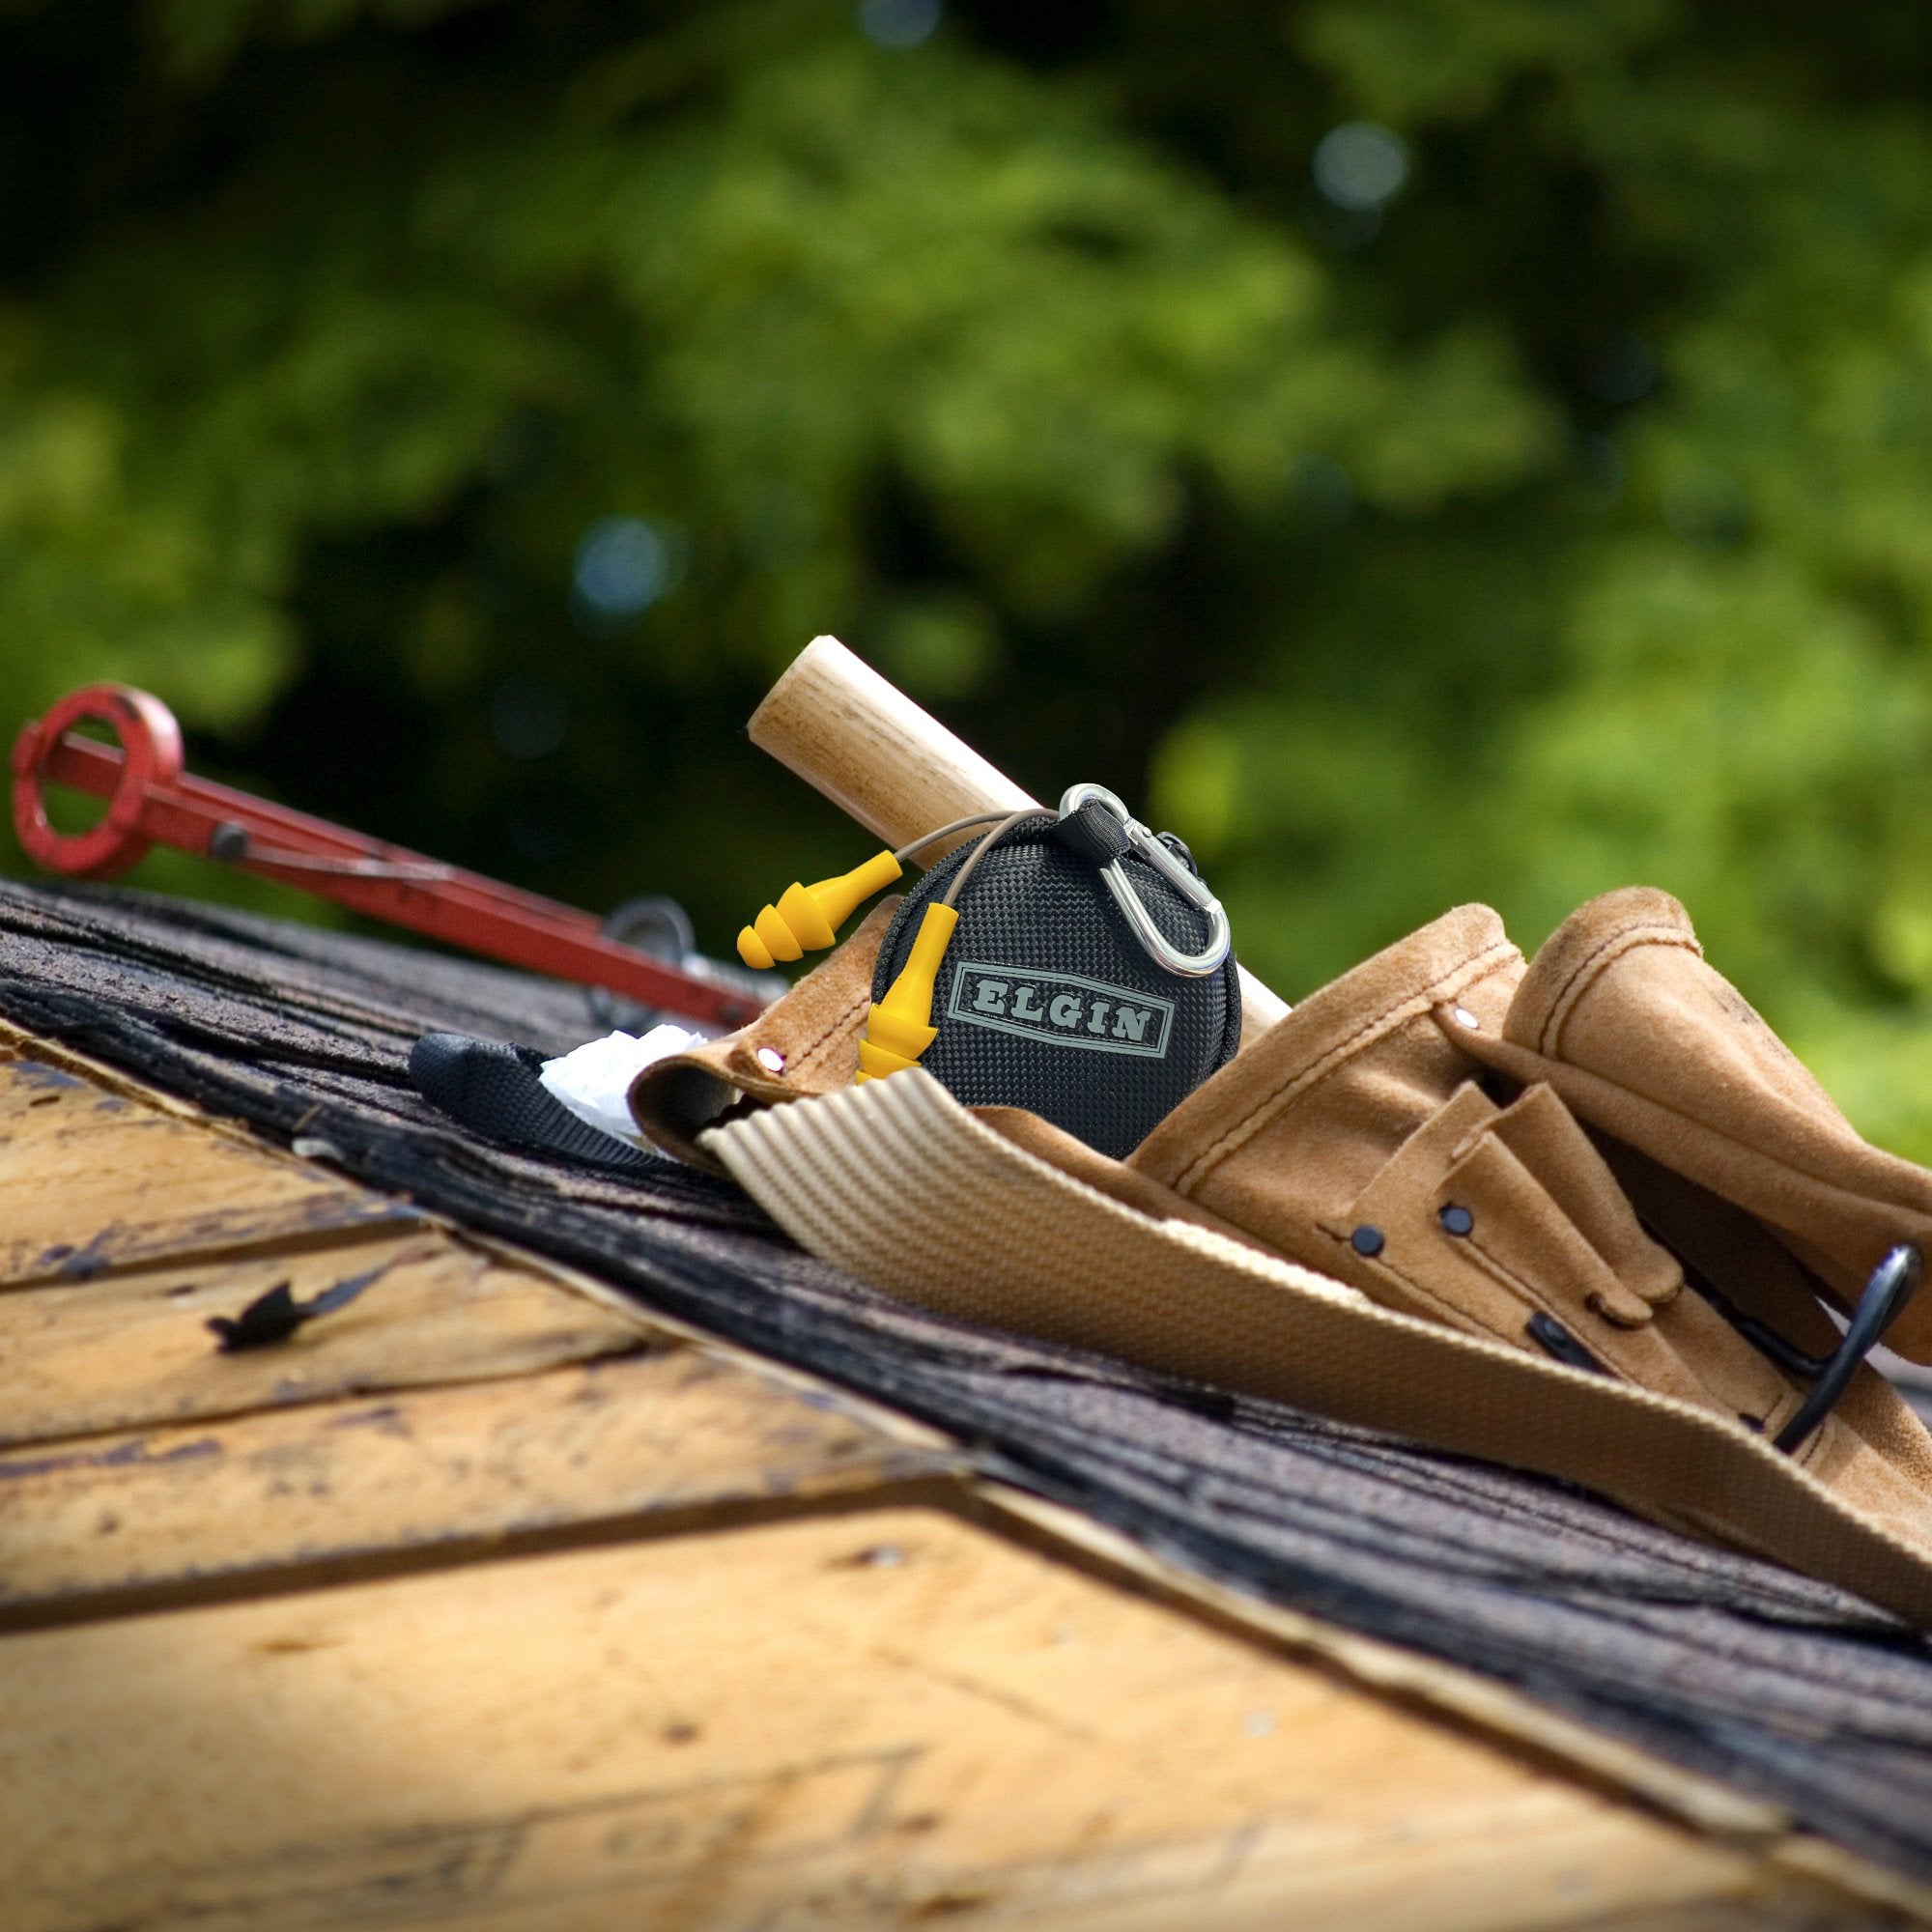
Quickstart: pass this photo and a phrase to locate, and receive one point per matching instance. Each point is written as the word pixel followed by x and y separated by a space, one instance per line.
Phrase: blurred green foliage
pixel 1428 449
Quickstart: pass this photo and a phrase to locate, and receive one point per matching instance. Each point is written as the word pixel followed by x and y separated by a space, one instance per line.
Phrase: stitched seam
pixel 1812 1447
pixel 1780 1409
pixel 1522 1285
pixel 1510 1279
pixel 1621 940
pixel 1537 1298
pixel 834 1027
pixel 1493 1130
pixel 1461 1319
pixel 1311 1075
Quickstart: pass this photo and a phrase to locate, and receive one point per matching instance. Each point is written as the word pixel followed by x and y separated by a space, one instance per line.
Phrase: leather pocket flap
pixel 1519 1229
pixel 1459 1224
pixel 1542 1134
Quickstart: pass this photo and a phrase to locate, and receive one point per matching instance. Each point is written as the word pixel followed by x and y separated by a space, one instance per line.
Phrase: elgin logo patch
pixel 1059 1006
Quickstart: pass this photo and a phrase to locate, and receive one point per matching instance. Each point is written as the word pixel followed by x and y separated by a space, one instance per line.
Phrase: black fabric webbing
pixel 1093 834
pixel 1784 1689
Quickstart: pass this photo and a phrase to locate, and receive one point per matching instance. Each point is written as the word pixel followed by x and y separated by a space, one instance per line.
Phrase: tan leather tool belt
pixel 1585 1217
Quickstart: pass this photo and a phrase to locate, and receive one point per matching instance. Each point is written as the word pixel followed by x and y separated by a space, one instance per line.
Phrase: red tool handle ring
pixel 151 755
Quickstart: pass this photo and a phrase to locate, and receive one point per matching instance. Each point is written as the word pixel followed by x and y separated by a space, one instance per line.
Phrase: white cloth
pixel 594 1080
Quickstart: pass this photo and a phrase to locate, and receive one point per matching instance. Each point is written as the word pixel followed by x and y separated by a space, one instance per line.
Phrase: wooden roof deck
pixel 490 1601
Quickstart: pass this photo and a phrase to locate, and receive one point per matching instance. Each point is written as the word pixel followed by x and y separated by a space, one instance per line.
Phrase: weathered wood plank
pixel 92 1182
pixel 133 1351
pixel 334 1483
pixel 890 1761
pixel 883 1719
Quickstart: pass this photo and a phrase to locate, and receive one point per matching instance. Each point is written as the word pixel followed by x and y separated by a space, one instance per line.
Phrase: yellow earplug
pixel 899 1027
pixel 807 918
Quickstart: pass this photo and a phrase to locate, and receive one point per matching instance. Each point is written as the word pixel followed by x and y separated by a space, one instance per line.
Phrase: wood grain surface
pixel 489 1603
pixel 135 1348
pixel 332 1486
pixel 885 1719
pixel 137 1184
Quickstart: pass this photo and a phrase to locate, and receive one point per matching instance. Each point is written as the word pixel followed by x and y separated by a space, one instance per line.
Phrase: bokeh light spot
pixel 622 567
pixel 1327 494
pixel 899 23
pixel 1603 463
pixel 1360 166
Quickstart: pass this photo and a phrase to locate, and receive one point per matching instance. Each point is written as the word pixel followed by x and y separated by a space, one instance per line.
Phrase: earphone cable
pixel 980 851
pixel 925 838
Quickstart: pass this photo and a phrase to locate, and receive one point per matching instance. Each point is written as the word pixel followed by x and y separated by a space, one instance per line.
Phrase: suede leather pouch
pixel 802 1044
pixel 1356 1138
pixel 1646 1042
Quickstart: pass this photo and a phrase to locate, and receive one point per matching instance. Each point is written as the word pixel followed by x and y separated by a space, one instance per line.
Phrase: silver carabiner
pixel 1159 947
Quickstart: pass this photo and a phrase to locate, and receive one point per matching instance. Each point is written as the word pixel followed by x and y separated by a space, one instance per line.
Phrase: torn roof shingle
pixel 1782 1688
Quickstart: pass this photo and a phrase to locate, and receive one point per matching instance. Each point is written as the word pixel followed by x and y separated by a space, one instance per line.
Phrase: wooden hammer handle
pixel 876 755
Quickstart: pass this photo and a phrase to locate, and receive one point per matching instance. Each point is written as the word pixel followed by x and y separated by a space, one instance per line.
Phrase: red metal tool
pixel 152 801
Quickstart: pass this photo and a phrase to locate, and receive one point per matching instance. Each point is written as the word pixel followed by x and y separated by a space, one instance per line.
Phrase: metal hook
pixel 653 924
pixel 1887 1290
pixel 1159 947
pixel 1890 1285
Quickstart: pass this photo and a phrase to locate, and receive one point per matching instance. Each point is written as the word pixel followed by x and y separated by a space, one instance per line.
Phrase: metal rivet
pixel 1366 1240
pixel 1455 1220
pixel 1464 1018
pixel 771 1060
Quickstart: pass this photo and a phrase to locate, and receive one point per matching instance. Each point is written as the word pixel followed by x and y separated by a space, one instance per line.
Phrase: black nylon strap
pixel 493 1089
pixel 1094 833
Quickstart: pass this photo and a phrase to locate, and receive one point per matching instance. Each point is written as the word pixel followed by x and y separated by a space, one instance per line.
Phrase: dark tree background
pixel 1424 449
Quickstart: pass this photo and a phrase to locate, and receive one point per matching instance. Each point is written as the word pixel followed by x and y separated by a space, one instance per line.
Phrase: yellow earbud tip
pixel 876 1062
pixel 799 908
pixel 899 1027
pixel 903 1035
pixel 839 897
pixel 780 941
pixel 753 951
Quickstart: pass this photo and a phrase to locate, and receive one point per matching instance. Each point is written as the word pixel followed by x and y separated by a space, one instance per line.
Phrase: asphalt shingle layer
pixel 1782 1688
